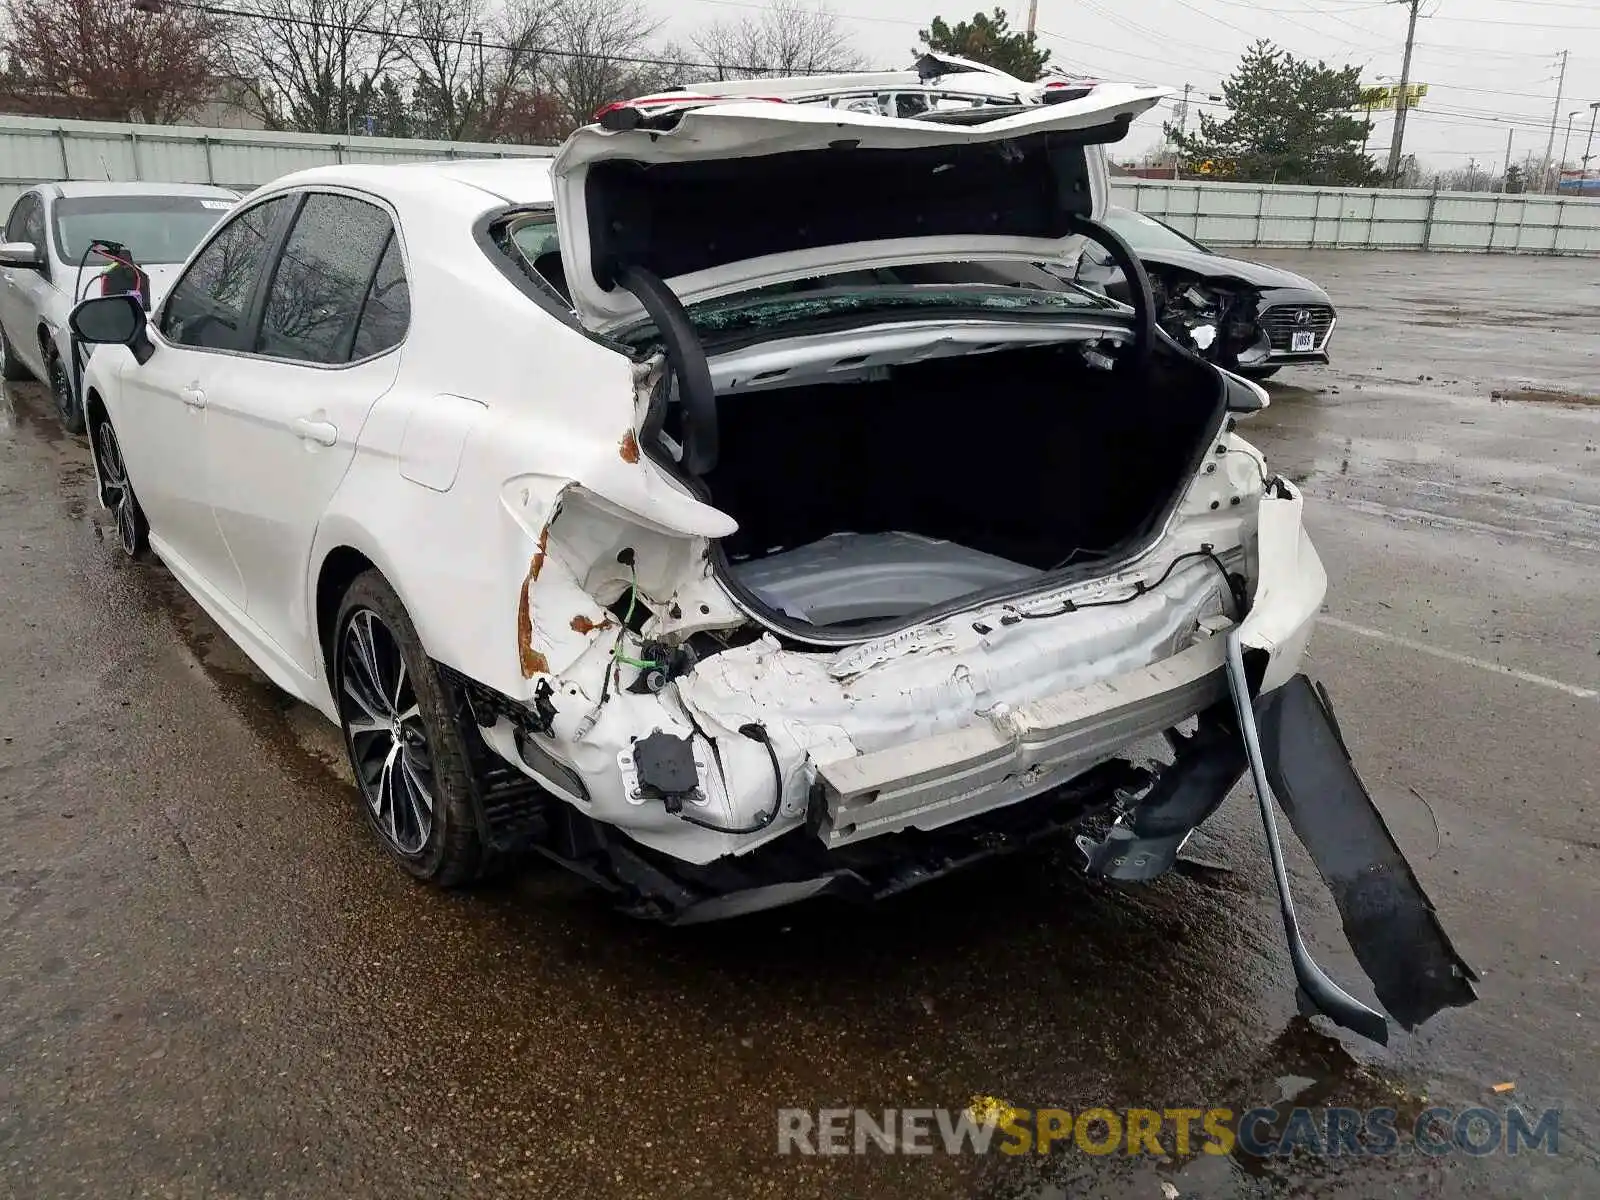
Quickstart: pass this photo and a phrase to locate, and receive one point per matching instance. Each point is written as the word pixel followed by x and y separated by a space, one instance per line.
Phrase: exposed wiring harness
pixel 756 733
pixel 1234 583
pixel 1254 462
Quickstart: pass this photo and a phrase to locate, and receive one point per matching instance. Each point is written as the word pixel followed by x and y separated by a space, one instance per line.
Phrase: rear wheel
pixel 132 530
pixel 66 397
pixel 405 745
pixel 11 367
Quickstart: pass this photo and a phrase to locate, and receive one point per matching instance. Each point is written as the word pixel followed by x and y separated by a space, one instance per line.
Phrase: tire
pixel 133 531
pixel 1259 373
pixel 68 407
pixel 11 367
pixel 416 787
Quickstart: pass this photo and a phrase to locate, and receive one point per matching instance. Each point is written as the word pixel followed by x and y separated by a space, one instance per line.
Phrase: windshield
pixel 998 287
pixel 155 229
pixel 1146 233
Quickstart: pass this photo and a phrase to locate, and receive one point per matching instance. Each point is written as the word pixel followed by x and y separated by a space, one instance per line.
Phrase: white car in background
pixel 733 511
pixel 46 264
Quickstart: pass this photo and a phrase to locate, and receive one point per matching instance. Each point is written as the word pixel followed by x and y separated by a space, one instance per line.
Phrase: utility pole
pixel 1183 109
pixel 1403 100
pixel 1033 17
pixel 1555 112
pixel 1566 142
pixel 1505 173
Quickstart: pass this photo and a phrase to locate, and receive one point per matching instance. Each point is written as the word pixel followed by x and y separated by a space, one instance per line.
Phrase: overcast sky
pixel 1491 65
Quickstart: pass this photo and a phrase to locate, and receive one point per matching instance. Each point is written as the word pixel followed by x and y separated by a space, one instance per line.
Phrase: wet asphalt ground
pixel 213 984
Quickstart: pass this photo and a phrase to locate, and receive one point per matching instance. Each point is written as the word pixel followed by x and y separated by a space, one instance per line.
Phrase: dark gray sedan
pixel 1244 316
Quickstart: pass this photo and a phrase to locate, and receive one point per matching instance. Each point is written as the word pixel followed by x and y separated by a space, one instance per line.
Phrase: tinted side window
pixel 317 291
pixel 209 305
pixel 14 223
pixel 33 225
pixel 387 312
pixel 27 221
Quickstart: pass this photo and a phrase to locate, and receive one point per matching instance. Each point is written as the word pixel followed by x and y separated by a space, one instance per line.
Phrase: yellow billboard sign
pixel 1384 97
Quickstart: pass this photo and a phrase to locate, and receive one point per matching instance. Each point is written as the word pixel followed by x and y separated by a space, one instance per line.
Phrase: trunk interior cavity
pixel 864 504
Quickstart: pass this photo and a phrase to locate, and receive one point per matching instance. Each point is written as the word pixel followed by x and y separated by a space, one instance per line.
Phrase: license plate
pixel 1302 341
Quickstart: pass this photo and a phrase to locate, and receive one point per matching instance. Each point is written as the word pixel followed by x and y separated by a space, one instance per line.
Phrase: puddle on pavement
pixel 311 748
pixel 26 416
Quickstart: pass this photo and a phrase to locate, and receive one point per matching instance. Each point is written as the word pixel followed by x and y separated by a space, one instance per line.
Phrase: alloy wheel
pixel 384 728
pixel 61 390
pixel 119 492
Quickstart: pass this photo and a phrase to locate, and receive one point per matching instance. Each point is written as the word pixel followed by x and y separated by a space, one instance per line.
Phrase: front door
pixel 160 412
pixel 21 289
pixel 281 436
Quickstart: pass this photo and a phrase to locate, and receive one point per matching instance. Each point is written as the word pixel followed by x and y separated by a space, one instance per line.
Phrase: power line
pixel 156 6
pixel 1568 27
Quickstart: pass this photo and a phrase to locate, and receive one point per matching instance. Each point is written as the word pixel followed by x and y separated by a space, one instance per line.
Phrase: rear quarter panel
pixel 507 390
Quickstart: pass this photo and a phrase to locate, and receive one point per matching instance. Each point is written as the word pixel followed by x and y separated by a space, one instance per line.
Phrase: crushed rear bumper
pixel 1290 741
pixel 1388 919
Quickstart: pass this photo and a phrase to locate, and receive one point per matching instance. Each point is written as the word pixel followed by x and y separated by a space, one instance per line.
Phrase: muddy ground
pixel 212 983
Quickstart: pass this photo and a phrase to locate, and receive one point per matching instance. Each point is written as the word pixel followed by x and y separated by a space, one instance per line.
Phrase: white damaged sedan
pixel 734 510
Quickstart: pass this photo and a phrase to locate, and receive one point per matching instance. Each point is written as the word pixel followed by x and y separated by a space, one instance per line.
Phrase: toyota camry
pixel 733 509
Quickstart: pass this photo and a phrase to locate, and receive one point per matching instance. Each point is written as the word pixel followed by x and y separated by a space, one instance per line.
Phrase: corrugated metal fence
pixel 1244 214
pixel 38 150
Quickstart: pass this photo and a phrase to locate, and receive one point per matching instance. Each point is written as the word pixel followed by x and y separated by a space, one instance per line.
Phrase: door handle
pixel 323 433
pixel 193 395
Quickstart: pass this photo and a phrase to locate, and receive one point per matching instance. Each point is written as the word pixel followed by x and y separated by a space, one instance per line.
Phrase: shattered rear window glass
pixel 990 286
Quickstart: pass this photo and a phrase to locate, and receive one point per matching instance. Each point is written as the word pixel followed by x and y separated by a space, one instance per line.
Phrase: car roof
pixel 524 179
pixel 76 188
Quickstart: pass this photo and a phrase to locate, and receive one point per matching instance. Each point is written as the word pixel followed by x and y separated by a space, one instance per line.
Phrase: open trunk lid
pixel 728 196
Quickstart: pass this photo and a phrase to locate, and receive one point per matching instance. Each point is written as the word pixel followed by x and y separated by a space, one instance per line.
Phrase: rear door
pixel 159 412
pixel 282 433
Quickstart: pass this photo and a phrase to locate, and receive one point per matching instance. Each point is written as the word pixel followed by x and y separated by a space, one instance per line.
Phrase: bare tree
pixel 518 105
pixel 101 58
pixel 446 56
pixel 603 44
pixel 304 62
pixel 788 38
pixel 675 65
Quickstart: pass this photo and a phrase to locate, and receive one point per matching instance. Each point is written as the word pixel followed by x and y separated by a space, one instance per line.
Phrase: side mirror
pixel 21 255
pixel 112 321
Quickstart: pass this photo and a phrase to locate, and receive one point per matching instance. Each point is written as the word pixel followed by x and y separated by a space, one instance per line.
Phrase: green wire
pixel 616 651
